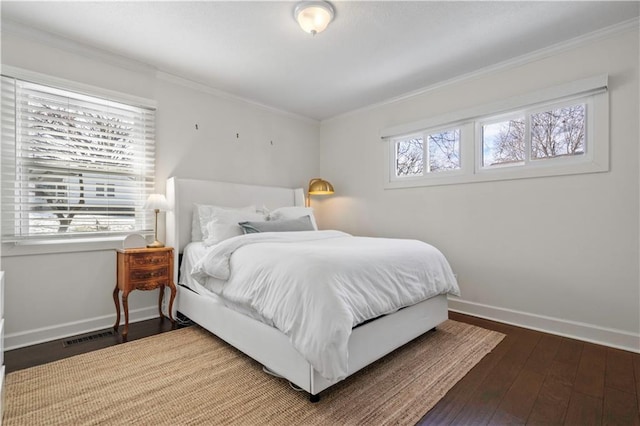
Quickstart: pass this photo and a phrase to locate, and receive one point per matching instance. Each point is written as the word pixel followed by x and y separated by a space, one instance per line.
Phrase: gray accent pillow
pixel 300 224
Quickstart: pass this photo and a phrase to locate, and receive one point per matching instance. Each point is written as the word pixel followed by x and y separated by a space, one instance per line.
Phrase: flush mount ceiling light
pixel 313 16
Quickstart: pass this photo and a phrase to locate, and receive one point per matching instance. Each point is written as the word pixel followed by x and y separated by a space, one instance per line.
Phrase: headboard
pixel 182 193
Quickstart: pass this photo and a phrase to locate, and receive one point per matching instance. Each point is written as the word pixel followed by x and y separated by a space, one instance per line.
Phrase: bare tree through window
pixel 80 164
pixel 410 157
pixel 503 143
pixel 558 132
pixel 444 151
pixel 555 133
pixel 85 142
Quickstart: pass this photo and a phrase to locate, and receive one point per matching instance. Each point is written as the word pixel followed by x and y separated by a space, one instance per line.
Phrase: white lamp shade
pixel 157 202
pixel 313 16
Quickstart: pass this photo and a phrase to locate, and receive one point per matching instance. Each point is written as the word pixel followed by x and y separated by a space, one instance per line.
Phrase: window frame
pixel 394 155
pixel 528 161
pixel 91 240
pixel 426 171
pixel 591 92
pixel 479 137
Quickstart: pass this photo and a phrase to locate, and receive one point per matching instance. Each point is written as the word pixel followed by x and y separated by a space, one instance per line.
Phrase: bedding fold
pixel 315 286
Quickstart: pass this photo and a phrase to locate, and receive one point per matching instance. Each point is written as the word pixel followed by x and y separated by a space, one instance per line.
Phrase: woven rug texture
pixel 189 376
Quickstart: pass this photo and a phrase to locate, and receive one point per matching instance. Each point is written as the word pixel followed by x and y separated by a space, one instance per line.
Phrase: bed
pixel 266 344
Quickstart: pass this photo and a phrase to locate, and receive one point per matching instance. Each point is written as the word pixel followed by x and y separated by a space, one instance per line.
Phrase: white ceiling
pixel 371 52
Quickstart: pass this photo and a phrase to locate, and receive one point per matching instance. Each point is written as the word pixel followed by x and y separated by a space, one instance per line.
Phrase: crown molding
pixel 536 55
pixel 205 88
pixel 63 43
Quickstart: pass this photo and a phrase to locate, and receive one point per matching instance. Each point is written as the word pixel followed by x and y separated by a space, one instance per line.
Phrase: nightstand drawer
pixel 149 273
pixel 149 284
pixel 148 259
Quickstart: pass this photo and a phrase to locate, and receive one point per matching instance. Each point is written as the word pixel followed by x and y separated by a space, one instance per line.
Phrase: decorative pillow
pixel 294 212
pixel 203 214
pixel 290 225
pixel 224 224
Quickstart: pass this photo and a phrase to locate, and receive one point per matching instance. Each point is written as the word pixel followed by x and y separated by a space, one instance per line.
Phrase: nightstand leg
pixel 160 303
pixel 125 305
pixel 172 286
pixel 116 300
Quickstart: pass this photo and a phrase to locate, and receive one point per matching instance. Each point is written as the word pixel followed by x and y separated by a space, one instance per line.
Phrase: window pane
pixel 76 165
pixel 503 143
pixel 444 151
pixel 557 133
pixel 409 157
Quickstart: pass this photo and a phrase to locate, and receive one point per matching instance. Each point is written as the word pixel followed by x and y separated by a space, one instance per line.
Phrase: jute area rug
pixel 189 376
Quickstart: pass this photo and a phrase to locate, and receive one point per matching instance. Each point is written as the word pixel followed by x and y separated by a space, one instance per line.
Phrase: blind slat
pixel 72 164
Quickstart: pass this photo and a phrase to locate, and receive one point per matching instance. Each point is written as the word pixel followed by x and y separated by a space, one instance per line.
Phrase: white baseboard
pixel 46 334
pixel 576 330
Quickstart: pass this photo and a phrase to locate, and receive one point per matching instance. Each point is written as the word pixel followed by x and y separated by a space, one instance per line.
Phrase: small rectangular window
pixel 503 143
pixel 441 153
pixel 444 150
pixel 561 130
pixel 409 157
pixel 558 132
pixel 552 132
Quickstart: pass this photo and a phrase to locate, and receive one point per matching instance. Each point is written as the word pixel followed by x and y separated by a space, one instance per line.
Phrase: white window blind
pixel 73 165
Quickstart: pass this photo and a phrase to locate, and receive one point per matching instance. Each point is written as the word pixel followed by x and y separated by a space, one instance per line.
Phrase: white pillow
pixel 294 212
pixel 224 225
pixel 203 214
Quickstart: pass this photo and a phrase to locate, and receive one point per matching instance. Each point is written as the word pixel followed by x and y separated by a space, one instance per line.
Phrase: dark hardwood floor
pixel 529 378
pixel 536 378
pixel 31 356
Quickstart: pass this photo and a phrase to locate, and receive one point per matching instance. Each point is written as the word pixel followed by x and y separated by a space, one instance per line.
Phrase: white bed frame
pixel 266 344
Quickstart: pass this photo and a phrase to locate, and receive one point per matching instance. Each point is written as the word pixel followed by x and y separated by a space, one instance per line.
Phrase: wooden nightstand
pixel 143 269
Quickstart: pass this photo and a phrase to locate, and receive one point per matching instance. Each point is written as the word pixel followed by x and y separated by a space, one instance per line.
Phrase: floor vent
pixel 87 338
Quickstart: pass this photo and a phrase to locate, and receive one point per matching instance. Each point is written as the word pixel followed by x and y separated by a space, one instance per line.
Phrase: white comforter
pixel 316 286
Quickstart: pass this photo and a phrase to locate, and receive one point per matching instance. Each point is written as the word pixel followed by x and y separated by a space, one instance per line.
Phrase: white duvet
pixel 316 286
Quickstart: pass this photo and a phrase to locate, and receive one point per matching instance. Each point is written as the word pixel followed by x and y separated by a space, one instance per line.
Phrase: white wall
pixel 555 253
pixel 586 275
pixel 50 295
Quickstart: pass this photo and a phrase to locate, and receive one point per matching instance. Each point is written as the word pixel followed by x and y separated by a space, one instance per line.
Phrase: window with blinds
pixel 73 165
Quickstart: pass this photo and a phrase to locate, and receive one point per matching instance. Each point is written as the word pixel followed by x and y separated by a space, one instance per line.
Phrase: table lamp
pixel 156 202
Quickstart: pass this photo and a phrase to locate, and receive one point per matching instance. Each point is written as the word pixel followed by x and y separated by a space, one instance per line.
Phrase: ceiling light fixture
pixel 313 16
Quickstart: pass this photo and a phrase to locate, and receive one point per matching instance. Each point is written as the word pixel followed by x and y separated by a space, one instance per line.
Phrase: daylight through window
pixel 73 165
pixel 503 143
pixel 558 132
pixel 555 131
pixel 441 153
pixel 551 133
pixel 410 157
